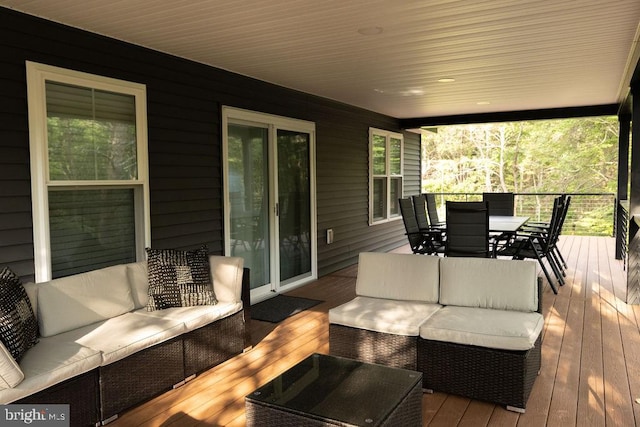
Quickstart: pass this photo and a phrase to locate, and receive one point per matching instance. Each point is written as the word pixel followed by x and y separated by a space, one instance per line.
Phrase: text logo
pixel 35 415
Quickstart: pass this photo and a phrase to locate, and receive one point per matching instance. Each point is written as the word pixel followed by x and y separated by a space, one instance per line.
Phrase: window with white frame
pixel 385 175
pixel 89 174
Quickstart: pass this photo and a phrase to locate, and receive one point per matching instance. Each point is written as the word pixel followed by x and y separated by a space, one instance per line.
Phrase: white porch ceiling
pixel 505 55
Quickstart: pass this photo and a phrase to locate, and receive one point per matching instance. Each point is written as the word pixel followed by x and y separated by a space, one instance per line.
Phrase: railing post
pixel 633 272
pixel 622 204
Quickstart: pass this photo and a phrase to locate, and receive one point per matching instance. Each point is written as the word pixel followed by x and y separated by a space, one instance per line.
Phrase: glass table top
pixel 334 388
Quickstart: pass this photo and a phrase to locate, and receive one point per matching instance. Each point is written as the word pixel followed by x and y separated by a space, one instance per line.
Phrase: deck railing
pixel 590 214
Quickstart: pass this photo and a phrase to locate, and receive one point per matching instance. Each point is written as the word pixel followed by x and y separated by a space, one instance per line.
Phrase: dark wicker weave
pixel 80 393
pixel 397 351
pixel 213 344
pixel 103 393
pixel 499 376
pixel 246 306
pixel 140 376
pixel 408 413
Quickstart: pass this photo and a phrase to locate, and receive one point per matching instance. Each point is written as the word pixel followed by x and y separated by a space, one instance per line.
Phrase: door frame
pixel 273 123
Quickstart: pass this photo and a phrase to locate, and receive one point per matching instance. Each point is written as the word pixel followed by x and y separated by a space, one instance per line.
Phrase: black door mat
pixel 280 307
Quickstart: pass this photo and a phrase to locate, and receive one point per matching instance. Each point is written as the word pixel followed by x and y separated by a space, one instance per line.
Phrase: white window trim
pixel 37 75
pixel 388 135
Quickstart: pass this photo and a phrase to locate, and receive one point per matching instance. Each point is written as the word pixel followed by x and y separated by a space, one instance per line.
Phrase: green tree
pixel 550 156
pixel 571 155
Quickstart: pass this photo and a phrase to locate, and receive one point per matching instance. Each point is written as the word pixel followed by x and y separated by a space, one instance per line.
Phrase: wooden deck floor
pixel 590 357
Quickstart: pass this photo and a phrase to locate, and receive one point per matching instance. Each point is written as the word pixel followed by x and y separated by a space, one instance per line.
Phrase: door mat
pixel 280 307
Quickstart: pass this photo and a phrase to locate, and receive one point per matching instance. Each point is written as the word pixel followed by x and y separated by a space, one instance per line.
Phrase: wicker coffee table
pixel 334 391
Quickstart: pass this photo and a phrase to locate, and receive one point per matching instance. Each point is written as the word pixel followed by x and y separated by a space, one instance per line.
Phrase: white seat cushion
pixel 383 315
pixel 404 277
pixel 124 335
pixel 489 283
pixel 50 362
pixel 196 316
pixel 502 329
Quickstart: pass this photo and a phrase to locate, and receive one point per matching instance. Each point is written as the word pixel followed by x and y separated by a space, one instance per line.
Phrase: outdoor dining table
pixel 506 224
pixel 503 228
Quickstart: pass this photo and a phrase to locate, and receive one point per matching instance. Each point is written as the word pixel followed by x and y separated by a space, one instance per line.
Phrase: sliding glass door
pixel 294 205
pixel 269 198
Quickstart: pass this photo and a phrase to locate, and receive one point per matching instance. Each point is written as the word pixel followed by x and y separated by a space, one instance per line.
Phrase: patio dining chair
pixel 421 241
pixel 432 210
pixel 564 202
pixel 438 233
pixel 539 244
pixel 467 229
pixel 500 203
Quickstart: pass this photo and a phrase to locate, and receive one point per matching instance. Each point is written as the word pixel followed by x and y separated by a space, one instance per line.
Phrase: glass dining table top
pixel 336 388
pixel 506 223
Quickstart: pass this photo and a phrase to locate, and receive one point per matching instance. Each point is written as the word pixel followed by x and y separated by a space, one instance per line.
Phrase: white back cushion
pixel 71 302
pixel 139 280
pixel 405 277
pixel 226 273
pixel 32 292
pixel 489 283
pixel 10 373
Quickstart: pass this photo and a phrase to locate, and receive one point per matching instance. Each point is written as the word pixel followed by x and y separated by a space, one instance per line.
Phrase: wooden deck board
pixel 590 372
pixel 590 404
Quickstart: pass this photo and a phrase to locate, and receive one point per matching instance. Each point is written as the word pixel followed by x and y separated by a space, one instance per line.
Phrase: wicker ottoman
pixel 334 391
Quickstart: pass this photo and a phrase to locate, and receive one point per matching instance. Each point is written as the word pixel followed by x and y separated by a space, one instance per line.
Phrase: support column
pixel 633 271
pixel 622 202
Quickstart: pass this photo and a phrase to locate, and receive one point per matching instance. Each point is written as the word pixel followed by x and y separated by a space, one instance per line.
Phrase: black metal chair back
pixel 419 207
pixel 432 209
pixel 500 203
pixel 556 250
pixel 554 224
pixel 415 237
pixel 467 229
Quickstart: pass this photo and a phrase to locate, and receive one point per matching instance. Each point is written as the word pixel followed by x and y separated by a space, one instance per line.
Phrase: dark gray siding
pixel 184 102
pixel 412 164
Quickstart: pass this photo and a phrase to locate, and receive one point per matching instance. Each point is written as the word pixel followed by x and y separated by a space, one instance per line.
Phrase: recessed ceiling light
pixel 446 80
pixel 370 31
pixel 483 103
pixel 411 92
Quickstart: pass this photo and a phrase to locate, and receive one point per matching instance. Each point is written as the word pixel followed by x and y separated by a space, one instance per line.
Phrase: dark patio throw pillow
pixel 18 324
pixel 179 278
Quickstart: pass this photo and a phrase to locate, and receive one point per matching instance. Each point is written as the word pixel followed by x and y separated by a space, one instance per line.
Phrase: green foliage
pixel 550 156
pixel 571 155
pixel 86 149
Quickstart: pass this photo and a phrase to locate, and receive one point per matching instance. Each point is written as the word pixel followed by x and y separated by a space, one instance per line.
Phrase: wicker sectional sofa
pixel 472 326
pixel 102 352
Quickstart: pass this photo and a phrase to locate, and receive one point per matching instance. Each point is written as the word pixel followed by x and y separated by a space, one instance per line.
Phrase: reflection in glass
pixel 379 198
pixel 294 203
pixel 248 196
pixel 379 154
pixel 91 134
pixel 91 229
pixel 396 193
pixel 394 156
